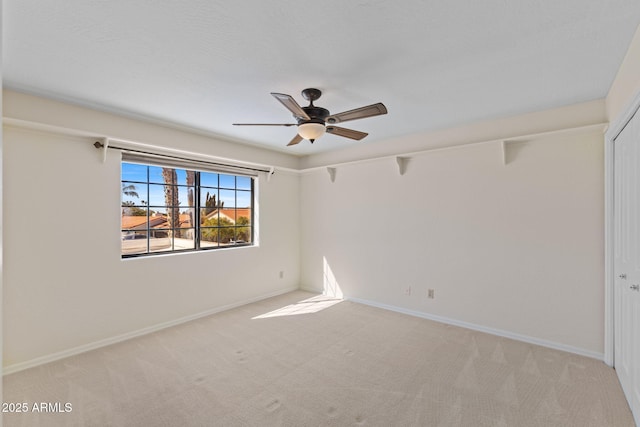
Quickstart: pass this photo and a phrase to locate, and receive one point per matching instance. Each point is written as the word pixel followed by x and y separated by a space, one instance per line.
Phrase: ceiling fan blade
pixel 347 133
pixel 358 113
pixel 264 124
pixel 291 105
pixel 296 140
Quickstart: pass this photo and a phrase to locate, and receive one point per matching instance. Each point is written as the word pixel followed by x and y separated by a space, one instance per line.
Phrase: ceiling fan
pixel 313 122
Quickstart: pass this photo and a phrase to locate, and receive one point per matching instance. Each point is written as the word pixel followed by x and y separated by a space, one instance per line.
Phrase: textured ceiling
pixel 206 64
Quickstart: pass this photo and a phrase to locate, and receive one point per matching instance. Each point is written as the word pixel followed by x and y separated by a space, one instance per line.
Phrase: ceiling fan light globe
pixel 311 131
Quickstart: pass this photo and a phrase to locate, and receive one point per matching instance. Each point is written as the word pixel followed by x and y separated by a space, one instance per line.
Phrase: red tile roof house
pixel 134 232
pixel 231 213
pixel 134 229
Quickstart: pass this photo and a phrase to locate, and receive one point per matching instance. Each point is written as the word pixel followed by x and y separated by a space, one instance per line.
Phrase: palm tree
pixel 191 180
pixel 130 190
pixel 171 199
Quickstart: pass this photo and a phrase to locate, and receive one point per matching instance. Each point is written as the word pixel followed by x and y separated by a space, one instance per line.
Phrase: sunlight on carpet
pixel 306 306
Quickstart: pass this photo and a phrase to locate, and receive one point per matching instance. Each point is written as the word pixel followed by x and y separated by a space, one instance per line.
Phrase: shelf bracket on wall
pixel 402 164
pixel 332 174
pixel 510 149
pixel 503 145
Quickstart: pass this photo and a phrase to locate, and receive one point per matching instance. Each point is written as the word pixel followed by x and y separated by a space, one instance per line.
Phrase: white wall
pixel 627 82
pixel 534 123
pixel 515 248
pixel 66 285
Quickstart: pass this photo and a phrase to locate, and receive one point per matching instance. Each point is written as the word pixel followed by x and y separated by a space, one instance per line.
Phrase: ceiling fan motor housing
pixel 317 115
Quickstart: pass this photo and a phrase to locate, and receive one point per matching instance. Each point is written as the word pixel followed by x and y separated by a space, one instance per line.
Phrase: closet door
pixel 627 261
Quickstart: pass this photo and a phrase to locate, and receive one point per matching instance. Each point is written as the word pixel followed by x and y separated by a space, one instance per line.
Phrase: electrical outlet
pixel 407 290
pixel 431 293
pixel 281 274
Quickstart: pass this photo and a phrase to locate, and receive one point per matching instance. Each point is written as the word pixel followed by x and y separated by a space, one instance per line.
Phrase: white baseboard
pixel 10 369
pixel 310 289
pixel 479 328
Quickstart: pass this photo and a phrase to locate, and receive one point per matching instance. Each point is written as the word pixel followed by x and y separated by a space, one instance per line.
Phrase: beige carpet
pixel 344 364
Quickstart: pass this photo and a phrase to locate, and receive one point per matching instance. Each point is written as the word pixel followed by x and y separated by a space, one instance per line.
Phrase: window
pixel 168 209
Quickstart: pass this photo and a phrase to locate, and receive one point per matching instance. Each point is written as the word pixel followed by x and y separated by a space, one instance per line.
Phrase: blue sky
pixel 135 174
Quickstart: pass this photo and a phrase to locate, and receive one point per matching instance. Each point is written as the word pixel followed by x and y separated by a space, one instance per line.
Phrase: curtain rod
pixel 99 145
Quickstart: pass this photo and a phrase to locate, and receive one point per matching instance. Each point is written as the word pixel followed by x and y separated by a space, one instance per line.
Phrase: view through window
pixel 169 210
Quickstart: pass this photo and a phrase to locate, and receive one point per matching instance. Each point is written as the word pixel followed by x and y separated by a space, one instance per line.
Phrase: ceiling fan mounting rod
pixel 311 94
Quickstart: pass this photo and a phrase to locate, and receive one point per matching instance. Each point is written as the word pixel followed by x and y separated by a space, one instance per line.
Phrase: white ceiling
pixel 206 64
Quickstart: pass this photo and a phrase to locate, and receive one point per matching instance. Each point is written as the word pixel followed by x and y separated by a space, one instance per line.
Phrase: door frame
pixel 615 127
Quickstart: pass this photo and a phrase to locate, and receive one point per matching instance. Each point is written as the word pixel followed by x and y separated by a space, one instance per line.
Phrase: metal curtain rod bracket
pixel 104 145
